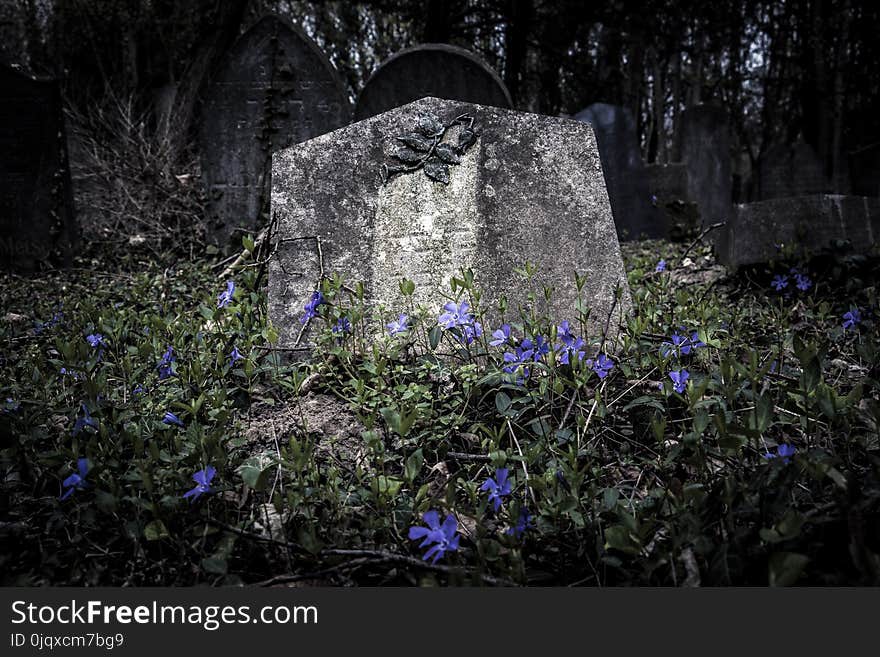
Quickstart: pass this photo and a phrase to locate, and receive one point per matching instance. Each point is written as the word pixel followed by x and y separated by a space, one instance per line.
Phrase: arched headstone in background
pixel 703 141
pixel 36 206
pixel 625 176
pixel 274 88
pixel 432 69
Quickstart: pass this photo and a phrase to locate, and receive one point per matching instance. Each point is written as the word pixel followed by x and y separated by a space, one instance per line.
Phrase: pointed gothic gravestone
pixel 625 175
pixel 37 223
pixel 529 188
pixel 273 89
pixel 431 69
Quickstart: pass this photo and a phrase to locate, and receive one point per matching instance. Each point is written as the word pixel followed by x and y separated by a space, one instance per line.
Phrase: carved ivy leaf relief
pixel 425 149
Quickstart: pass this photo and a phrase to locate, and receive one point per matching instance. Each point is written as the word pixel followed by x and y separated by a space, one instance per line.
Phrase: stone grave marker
pixel 625 177
pixel 273 89
pixel 864 165
pixel 814 221
pixel 703 144
pixel 668 186
pixel 529 188
pixel 432 69
pixel 37 222
pixel 791 170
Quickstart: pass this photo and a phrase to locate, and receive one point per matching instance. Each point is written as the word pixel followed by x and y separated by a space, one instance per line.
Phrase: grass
pixel 323 467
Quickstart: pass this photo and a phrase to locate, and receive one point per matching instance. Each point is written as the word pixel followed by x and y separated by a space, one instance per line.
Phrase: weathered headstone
pixel 273 89
pixel 811 222
pixel 530 188
pixel 668 186
pixel 36 208
pixel 864 166
pixel 703 144
pixel 432 69
pixel 791 170
pixel 625 177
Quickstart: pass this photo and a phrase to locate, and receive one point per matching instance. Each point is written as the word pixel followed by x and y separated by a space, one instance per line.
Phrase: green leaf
pixel 618 537
pixel 502 402
pixel 155 531
pixel 413 465
pixel 786 567
pixel 434 336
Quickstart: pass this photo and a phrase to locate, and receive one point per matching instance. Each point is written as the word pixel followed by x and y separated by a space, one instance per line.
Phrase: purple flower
pixel 566 351
pixel 471 332
pixel 171 418
pixel 783 451
pixel 203 482
pixel 72 373
pixel 76 481
pixel 601 366
pixel 225 297
pixel 497 487
pixel 96 340
pixel 138 390
pixel 679 380
pixel 541 348
pixel 851 318
pixel 563 332
pixel 803 282
pixel 661 266
pixel 455 315
pixel 516 360
pixel 523 524
pixel 443 537
pixel 500 336
pixel 85 420
pixel 681 345
pixel 165 368
pixel 779 282
pixel 235 355
pixel 343 325
pixel 398 326
pixel 311 307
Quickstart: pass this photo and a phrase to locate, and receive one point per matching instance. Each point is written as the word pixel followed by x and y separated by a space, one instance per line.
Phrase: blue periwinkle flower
pixel 851 318
pixel 203 483
pixel 225 297
pixel 165 368
pixel 455 315
pixel 343 325
pixel 400 325
pixel 523 524
pixel 311 307
pixel 679 380
pixel 783 452
pixel 497 487
pixel 779 282
pixel 77 480
pixel 171 418
pixel 96 340
pixel 661 266
pixel 500 336
pixel 803 282
pixel 442 538
pixel 601 366
pixel 235 355
pixel 83 421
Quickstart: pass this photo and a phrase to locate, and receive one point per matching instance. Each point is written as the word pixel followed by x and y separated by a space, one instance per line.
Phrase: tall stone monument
pixel 273 89
pixel 432 69
pixel 434 186
pixel 625 177
pixel 37 223
pixel 703 144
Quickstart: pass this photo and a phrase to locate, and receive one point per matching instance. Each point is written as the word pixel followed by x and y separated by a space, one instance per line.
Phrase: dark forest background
pixel 783 69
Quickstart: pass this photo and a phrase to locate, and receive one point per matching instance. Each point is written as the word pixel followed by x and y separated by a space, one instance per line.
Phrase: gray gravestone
pixel 812 222
pixel 36 207
pixel 864 166
pixel 703 142
pixel 273 89
pixel 791 170
pixel 530 188
pixel 432 69
pixel 625 177
pixel 668 186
